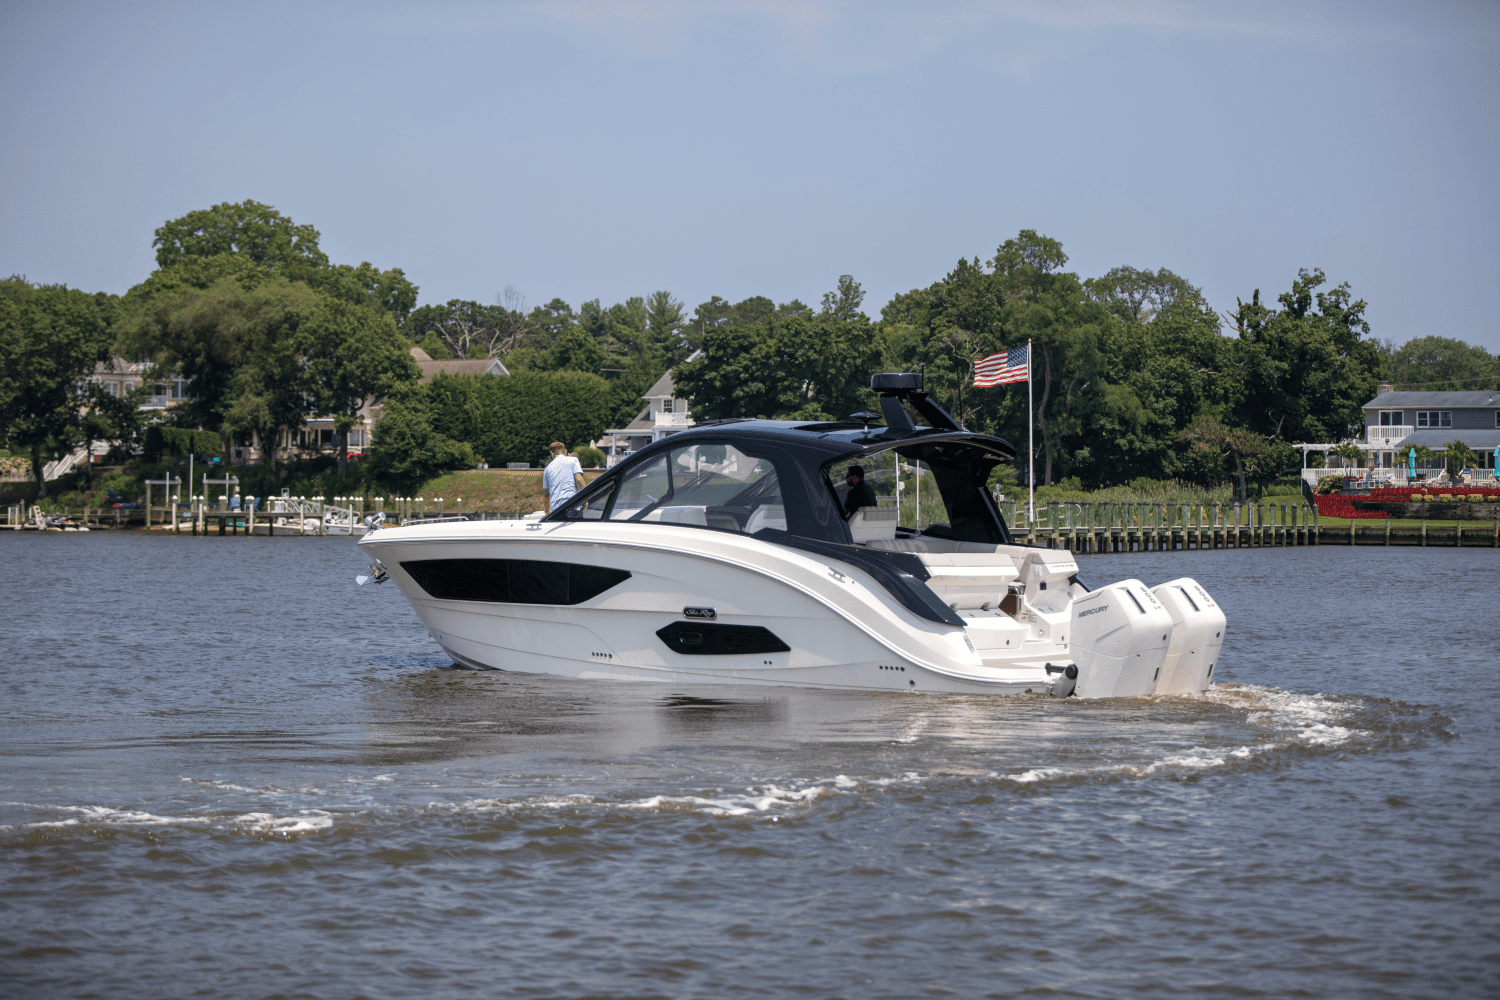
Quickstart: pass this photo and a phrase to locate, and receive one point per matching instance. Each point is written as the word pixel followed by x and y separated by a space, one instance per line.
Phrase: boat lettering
pixel 708 614
pixel 1093 611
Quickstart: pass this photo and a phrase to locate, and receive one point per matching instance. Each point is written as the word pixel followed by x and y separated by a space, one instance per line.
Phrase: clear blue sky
pixel 607 149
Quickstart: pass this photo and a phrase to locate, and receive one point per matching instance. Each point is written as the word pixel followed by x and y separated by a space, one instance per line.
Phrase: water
pixel 228 772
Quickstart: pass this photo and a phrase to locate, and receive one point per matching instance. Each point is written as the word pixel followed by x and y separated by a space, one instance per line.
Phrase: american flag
pixel 1000 369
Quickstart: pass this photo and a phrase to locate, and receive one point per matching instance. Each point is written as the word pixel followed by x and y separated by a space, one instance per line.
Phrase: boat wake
pixel 1226 728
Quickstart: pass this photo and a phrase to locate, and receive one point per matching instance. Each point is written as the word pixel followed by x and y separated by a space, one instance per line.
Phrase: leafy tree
pixel 515 419
pixel 1349 452
pixel 1207 433
pixel 352 355
pixel 576 351
pixel 1458 456
pixel 237 348
pixel 844 302
pixel 387 291
pixel 1303 373
pixel 1442 363
pixel 664 325
pixel 407 448
pixel 51 336
pixel 794 366
pixel 250 229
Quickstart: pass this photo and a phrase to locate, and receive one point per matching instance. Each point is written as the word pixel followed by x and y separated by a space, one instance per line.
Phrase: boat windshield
pixel 707 484
pixel 936 488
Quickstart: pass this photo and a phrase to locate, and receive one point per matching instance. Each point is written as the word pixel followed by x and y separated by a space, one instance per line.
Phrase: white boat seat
pixel 914 544
pixel 679 515
pixel 869 524
pixel 968 580
pixel 770 515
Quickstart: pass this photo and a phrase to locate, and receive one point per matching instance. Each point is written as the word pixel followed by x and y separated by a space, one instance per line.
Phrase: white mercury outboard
pixel 1197 637
pixel 1120 636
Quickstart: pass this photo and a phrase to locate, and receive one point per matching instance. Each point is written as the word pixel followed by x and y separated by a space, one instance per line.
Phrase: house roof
pixel 1483 439
pixel 1482 397
pixel 642 424
pixel 461 366
pixel 663 389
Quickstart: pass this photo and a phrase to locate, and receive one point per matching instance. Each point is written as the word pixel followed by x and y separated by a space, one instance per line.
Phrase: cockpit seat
pixel 870 524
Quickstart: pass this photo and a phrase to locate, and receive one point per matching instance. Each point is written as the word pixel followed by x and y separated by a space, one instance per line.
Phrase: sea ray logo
pixel 707 614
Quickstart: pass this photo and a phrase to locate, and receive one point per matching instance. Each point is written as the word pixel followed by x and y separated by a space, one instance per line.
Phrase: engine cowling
pixel 1119 640
pixel 1197 637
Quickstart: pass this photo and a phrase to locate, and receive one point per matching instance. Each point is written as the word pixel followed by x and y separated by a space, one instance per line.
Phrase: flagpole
pixel 1030 445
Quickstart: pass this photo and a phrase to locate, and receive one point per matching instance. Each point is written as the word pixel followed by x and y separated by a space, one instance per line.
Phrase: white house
pixel 1395 421
pixel 665 413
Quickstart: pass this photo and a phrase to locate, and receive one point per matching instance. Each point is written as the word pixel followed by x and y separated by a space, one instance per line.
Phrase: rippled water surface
pixel 229 772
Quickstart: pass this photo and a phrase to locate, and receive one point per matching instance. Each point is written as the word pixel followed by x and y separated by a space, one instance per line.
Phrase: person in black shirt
pixel 860 493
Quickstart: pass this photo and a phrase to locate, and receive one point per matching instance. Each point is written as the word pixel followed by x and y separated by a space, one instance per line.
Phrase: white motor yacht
pixel 726 554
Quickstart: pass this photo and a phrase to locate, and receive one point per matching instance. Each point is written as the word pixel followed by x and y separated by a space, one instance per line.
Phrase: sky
pixel 607 148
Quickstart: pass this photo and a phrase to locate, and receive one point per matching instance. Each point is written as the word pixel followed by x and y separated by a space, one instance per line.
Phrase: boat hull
pixel 840 627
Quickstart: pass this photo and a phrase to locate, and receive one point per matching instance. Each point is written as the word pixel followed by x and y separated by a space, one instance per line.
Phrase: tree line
pixel 1135 374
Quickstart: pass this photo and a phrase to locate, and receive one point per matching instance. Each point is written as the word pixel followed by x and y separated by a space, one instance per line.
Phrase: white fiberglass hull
pixel 837 626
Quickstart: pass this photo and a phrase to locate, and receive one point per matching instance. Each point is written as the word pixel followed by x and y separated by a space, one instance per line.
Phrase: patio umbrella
pixel 1411 456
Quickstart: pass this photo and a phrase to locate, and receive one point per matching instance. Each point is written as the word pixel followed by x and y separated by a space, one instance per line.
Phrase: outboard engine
pixel 1119 640
pixel 1197 636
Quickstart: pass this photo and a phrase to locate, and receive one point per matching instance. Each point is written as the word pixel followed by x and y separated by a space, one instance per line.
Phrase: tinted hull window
pixel 707 639
pixel 512 581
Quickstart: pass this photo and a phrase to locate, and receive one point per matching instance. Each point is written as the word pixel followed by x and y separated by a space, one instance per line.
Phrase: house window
pixel 1497 418
pixel 179 388
pixel 666 406
pixel 1390 418
pixel 113 388
pixel 1434 418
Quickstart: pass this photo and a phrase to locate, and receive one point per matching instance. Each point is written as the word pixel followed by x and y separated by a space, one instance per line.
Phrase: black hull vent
pixel 512 581
pixel 710 639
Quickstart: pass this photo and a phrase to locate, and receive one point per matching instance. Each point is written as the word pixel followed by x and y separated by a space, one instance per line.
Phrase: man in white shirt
pixel 562 478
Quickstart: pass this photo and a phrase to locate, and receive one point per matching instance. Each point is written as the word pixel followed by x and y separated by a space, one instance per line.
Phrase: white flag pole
pixel 1030 445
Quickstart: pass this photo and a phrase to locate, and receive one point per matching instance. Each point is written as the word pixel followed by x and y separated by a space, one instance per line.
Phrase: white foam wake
pixel 304 821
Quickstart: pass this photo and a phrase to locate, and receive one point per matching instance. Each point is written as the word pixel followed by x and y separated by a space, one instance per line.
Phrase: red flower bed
pixel 1342 506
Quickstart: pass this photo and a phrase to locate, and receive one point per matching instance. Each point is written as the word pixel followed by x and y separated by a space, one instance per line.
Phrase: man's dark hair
pixel 856 470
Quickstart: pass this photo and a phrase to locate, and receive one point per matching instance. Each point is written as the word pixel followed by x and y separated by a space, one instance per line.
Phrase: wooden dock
pixel 1083 528
pixel 1089 529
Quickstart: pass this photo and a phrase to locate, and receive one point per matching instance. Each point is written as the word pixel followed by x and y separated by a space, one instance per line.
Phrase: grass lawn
pixel 1404 522
pixel 499 491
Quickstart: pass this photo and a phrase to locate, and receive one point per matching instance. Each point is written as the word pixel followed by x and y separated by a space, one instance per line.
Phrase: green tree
pixel 1304 371
pixel 407 448
pixel 1458 456
pixel 237 348
pixel 1208 433
pixel 51 336
pixel 1442 363
pixel 352 355
pixel 249 229
pixel 792 366
pixel 514 419
pixel 577 351
pixel 843 303
pixel 664 324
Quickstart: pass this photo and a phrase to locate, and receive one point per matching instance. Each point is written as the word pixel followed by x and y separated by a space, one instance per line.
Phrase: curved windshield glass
pixel 924 487
pixel 705 484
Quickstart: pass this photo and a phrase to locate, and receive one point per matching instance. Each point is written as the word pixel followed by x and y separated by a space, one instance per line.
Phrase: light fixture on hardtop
pixel 900 388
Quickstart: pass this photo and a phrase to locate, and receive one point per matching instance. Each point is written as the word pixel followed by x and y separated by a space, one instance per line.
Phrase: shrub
pixel 589 458
pixel 1328 485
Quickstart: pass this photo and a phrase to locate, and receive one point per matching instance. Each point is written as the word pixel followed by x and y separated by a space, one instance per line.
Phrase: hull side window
pixel 709 639
pixel 512 581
